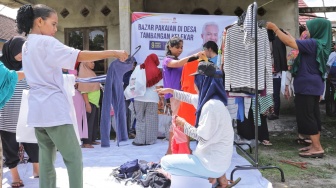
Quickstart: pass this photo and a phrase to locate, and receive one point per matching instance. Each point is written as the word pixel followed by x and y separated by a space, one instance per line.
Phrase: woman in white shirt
pixel 43 58
pixel 146 106
pixel 213 129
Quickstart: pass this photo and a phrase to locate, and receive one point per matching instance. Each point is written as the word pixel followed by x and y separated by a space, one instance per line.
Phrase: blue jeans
pixel 187 165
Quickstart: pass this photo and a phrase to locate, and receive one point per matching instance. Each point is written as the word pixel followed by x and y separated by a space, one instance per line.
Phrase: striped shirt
pixel 232 106
pixel 263 106
pixel 249 22
pixel 239 62
pixel 10 113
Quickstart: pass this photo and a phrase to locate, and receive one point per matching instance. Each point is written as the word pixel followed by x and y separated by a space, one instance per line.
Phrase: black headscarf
pixel 10 49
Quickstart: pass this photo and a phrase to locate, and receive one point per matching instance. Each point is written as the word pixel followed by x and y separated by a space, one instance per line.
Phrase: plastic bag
pixel 179 135
pixel 137 84
pixel 24 133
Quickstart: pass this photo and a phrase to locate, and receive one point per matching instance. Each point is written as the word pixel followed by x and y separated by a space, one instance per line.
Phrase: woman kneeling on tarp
pixel 213 129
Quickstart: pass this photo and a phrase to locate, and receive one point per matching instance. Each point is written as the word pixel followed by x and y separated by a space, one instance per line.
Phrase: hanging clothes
pixel 187 111
pixel 100 79
pixel 222 48
pixel 246 129
pixel 264 105
pixel 279 64
pixel 114 87
pixel 278 49
pixel 238 106
pixel 249 22
pixel 239 62
pixel 68 84
pixel 153 73
pixel 79 104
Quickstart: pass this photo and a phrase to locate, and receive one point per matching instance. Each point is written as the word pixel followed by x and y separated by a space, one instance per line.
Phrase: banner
pixel 153 30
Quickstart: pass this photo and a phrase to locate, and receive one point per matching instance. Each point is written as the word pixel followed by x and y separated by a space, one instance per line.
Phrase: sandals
pixel 87 146
pixel 266 143
pixel 18 184
pixel 131 135
pixel 305 153
pixel 95 143
pixel 305 149
pixel 232 183
pixel 137 144
pixel 311 155
pixel 304 141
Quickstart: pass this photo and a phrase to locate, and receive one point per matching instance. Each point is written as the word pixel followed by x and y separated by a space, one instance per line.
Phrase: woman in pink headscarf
pixel 91 95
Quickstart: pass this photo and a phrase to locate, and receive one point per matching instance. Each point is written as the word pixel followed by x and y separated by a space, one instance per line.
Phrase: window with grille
pixel 89 38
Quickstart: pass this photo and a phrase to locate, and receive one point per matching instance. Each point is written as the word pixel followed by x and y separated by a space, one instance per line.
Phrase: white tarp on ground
pixel 99 162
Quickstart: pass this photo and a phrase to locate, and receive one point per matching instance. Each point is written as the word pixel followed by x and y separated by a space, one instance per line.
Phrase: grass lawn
pixel 284 148
pixel 319 172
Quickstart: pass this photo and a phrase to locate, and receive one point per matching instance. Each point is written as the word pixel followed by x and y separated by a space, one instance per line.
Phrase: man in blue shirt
pixel 211 50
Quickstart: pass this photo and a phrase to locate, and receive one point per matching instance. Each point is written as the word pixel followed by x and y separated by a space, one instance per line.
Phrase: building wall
pixel 7 30
pixel 93 19
pixel 1 45
pixel 284 13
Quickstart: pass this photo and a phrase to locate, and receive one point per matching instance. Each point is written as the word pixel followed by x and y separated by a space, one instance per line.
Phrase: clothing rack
pixel 255 161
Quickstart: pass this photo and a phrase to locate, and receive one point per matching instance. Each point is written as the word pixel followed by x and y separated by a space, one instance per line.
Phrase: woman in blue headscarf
pixel 213 129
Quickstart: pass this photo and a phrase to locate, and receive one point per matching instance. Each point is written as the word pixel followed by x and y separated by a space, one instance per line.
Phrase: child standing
pixel 91 96
pixel 43 58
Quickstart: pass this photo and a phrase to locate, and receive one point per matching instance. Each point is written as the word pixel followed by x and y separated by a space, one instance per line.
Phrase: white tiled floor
pixel 99 162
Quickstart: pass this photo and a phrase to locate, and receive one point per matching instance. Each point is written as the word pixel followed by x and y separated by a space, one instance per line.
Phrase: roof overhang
pixel 317 9
pixel 17 3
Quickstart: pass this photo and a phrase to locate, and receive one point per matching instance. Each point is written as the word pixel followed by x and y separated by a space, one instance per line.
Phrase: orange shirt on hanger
pixel 187 111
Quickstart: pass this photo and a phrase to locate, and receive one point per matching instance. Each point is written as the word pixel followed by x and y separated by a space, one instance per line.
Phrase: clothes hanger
pixel 241 19
pixel 137 50
pixel 131 57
